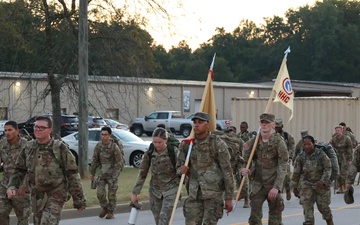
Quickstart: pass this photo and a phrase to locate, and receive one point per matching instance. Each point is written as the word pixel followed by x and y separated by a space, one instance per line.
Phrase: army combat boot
pixel 246 202
pixel 103 213
pixel 329 222
pixel 110 215
pixel 288 195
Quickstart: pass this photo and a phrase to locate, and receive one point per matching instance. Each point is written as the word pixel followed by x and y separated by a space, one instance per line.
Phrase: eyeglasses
pixel 104 134
pixel 40 128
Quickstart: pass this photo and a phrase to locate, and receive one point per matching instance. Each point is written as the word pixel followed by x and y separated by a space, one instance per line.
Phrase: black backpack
pixel 171 151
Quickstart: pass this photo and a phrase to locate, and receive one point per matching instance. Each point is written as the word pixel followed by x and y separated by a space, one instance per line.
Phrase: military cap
pixel 201 116
pixel 349 195
pixel 267 117
pixel 278 123
pixel 304 133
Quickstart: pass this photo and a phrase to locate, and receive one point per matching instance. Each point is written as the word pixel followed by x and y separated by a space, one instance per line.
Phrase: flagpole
pixel 259 130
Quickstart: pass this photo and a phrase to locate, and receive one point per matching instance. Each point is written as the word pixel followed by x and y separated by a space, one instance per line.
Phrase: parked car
pixel 115 124
pixel 69 124
pixel 134 147
pixel 2 127
pixel 96 121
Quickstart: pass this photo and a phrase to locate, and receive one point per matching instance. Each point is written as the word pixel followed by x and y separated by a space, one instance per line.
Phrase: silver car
pixel 134 147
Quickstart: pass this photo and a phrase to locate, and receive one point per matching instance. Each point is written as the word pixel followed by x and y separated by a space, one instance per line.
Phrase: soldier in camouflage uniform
pixel 51 172
pixel 267 173
pixel 244 134
pixel 299 145
pixel 347 131
pixel 10 148
pixel 164 180
pixel 210 175
pixel 311 181
pixel 109 157
pixel 353 169
pixel 343 147
pixel 290 145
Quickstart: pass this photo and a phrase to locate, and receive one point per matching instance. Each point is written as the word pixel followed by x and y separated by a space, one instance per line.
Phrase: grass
pixel 126 182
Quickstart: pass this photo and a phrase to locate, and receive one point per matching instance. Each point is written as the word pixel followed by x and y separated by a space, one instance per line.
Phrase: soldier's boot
pixel 246 202
pixel 103 213
pixel 110 215
pixel 330 222
pixel 288 195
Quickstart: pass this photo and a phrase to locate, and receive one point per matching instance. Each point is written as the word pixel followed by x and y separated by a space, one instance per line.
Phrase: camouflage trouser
pixel 309 196
pixel 245 189
pixel 203 211
pixel 162 208
pixel 343 165
pixel 110 202
pixel 287 179
pixel 47 206
pixel 21 205
pixel 275 208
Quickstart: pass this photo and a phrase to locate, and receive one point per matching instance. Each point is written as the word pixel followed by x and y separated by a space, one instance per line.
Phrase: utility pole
pixel 83 88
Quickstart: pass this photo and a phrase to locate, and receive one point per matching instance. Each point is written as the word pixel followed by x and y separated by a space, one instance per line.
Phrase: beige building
pixel 25 95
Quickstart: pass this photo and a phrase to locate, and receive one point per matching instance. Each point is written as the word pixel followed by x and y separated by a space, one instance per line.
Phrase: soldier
pixel 343 147
pixel 10 148
pixel 244 134
pixel 353 169
pixel 109 156
pixel 267 173
pixel 51 172
pixel 299 145
pixel 164 180
pixel 347 131
pixel 290 145
pixel 210 178
pixel 311 181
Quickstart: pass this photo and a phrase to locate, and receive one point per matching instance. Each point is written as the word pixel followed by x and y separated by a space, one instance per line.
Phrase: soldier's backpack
pixel 233 142
pixel 171 151
pixel 330 152
pixel 118 143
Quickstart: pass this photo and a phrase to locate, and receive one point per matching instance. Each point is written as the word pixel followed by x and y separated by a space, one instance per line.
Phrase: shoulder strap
pixel 286 135
pixel 172 156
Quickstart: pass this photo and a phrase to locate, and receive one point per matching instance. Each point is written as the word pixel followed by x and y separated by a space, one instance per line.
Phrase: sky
pixel 197 20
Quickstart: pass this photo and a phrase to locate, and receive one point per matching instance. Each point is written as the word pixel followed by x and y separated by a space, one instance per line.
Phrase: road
pixel 343 214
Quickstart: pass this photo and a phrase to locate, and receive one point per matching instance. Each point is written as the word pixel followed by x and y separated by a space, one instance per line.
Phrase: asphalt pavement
pixel 293 214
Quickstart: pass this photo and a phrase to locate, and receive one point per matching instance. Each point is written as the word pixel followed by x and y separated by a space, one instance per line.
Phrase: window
pixel 163 116
pixel 152 116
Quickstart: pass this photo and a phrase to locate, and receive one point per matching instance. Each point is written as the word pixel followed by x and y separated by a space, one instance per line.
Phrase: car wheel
pixel 186 132
pixel 149 134
pixel 138 131
pixel 135 158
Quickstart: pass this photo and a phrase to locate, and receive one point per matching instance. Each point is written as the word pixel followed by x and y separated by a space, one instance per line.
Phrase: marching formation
pixel 40 175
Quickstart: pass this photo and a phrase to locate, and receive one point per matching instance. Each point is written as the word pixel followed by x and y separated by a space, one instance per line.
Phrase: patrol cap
pixel 267 117
pixel 304 133
pixel 201 116
pixel 349 195
pixel 278 123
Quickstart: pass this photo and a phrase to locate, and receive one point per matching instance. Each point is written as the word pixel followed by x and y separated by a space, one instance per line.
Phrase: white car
pixel 2 127
pixel 134 147
pixel 115 124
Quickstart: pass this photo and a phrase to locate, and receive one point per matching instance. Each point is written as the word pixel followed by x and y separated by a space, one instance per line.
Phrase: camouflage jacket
pixel 354 167
pixel 309 169
pixel 164 179
pixel 298 148
pixel 245 136
pixel 343 147
pixel 269 163
pixel 352 138
pixel 109 158
pixel 290 143
pixel 210 169
pixel 35 158
pixel 8 155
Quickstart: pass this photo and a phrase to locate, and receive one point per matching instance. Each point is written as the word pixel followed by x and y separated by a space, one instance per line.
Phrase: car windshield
pixel 70 119
pixel 125 136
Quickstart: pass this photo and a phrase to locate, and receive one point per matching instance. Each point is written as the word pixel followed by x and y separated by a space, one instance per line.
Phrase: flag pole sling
pixel 253 150
pixel 181 183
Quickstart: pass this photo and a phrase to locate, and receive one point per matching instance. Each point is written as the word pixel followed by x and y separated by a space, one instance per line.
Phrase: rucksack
pixel 330 152
pixel 233 142
pixel 171 151
pixel 119 144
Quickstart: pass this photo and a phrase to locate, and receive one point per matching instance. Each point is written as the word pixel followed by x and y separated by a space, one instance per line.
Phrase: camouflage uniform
pixel 268 171
pixel 52 174
pixel 298 148
pixel 307 171
pixel 343 148
pixel 245 136
pixel 210 176
pixel 290 145
pixel 352 138
pixel 21 204
pixel 354 167
pixel 163 185
pixel 110 159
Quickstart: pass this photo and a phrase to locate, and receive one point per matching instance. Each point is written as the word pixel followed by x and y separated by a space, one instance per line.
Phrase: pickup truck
pixel 220 124
pixel 172 120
